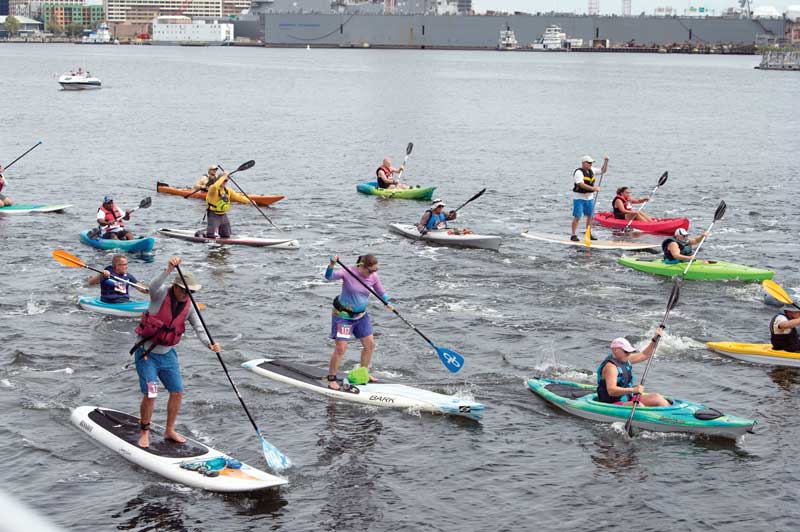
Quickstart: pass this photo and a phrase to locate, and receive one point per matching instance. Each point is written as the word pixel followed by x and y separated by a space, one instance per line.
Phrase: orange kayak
pixel 164 188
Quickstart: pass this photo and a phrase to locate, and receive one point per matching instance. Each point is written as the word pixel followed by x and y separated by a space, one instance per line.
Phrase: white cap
pixel 587 159
pixel 680 231
pixel 437 203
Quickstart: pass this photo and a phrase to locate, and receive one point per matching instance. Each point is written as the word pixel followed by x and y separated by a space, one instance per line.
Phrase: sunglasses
pixel 185 290
pixel 373 269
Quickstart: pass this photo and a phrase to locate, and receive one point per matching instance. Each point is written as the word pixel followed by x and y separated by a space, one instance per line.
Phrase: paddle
pixel 777 291
pixel 276 459
pixel 71 261
pixel 473 198
pixel 405 160
pixel 6 167
pixel 193 192
pixel 245 166
pixel 144 204
pixel 451 360
pixel 661 181
pixel 673 300
pixel 718 214
pixel 587 236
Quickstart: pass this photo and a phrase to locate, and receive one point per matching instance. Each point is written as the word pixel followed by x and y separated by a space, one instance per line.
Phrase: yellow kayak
pixel 756 353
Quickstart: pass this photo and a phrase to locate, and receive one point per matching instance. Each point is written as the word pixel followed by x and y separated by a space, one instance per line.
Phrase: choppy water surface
pixel 317 122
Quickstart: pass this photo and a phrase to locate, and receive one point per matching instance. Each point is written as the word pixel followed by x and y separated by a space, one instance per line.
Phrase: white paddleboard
pixel 447 237
pixel 27 209
pixel 240 240
pixel 381 394
pixel 120 433
pixel 596 244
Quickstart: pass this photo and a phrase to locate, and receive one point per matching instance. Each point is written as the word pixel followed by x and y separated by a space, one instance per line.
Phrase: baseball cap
pixel 108 199
pixel 191 282
pixel 790 308
pixel 587 159
pixel 212 169
pixel 680 231
pixel 437 203
pixel 623 344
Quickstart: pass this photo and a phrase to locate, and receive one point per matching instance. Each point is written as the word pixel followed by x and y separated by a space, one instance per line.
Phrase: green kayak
pixel 714 270
pixel 371 188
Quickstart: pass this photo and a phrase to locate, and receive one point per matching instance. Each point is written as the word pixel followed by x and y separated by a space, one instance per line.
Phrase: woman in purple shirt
pixel 349 317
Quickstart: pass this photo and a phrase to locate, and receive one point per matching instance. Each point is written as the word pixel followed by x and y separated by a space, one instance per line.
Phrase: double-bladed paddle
pixel 275 459
pixel 661 181
pixel 6 167
pixel 71 261
pixel 777 291
pixel 473 198
pixel 718 214
pixel 587 236
pixel 405 159
pixel 144 204
pixel 245 166
pixel 673 300
pixel 451 360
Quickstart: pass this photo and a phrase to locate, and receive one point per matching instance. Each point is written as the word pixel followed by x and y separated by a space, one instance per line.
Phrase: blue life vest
pixel 435 219
pixel 624 380
pixel 112 291
pixel 685 247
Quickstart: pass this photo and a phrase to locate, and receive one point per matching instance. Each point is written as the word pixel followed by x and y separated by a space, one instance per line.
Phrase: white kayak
pixel 189 236
pixel 384 394
pixel 596 244
pixel 129 309
pixel 176 461
pixel 448 237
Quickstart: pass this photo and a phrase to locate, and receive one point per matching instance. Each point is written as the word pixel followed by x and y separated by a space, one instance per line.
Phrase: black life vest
pixel 624 380
pixel 618 214
pixel 588 179
pixel 789 341
pixel 686 248
pixel 387 172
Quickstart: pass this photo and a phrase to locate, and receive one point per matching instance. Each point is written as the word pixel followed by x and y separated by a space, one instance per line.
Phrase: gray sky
pixel 615 6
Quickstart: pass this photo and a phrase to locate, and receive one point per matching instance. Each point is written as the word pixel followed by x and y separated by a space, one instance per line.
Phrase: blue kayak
pixel 131 309
pixel 139 244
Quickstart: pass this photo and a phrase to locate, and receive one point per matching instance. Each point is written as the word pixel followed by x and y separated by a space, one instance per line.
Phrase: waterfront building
pixel 61 14
pixel 182 30
pixel 144 11
pixel 3 7
pixel 27 8
pixel 27 26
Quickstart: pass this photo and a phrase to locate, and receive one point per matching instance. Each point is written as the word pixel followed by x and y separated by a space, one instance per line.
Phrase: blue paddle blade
pixel 276 460
pixel 451 360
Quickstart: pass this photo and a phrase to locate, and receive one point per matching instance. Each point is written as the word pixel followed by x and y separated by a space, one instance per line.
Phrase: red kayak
pixel 661 226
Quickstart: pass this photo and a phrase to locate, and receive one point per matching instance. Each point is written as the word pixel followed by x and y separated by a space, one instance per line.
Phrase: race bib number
pixel 343 331
pixel 120 287
pixel 440 225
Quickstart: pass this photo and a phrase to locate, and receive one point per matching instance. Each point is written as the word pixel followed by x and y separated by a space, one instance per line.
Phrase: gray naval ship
pixel 448 24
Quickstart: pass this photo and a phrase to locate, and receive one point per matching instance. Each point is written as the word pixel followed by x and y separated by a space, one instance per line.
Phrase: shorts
pixel 162 367
pixel 582 207
pixel 344 329
pixel 119 231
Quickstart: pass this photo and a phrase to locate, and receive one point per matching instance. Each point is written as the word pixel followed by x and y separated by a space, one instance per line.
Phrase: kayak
pixel 682 416
pixel 26 209
pixel 189 236
pixel 371 188
pixel 596 244
pixel 130 309
pixel 178 462
pixel 163 188
pixel 383 394
pixel 756 353
pixel 713 271
pixel 137 244
pixel 447 237
pixel 661 226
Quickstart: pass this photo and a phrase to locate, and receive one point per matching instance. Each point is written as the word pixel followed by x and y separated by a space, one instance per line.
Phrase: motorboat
pixel 508 40
pixel 78 80
pixel 554 38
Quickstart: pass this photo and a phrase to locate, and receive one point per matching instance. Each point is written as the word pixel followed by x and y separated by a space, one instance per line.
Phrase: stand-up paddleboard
pixel 596 244
pixel 26 209
pixel 382 394
pixel 448 237
pixel 129 309
pixel 180 462
pixel 189 236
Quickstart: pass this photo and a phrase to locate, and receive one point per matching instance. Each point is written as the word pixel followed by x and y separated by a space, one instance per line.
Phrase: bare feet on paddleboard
pixel 144 439
pixel 171 435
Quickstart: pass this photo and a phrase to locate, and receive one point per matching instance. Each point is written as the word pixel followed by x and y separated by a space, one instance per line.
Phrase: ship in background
pixel 442 24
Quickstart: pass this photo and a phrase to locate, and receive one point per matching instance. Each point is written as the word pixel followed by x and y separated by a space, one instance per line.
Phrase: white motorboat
pixel 554 38
pixel 508 40
pixel 78 80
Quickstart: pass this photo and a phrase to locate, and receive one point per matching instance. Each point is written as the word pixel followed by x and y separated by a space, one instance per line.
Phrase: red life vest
pixel 618 213
pixel 2 182
pixel 163 328
pixel 111 217
pixel 386 171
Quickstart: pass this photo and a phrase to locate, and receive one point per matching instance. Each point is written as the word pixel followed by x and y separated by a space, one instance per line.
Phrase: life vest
pixel 618 214
pixel 164 328
pixel 113 291
pixel 624 380
pixel 111 216
pixel 686 249
pixel 222 205
pixel 789 341
pixel 436 221
pixel 588 179
pixel 386 171
pixel 2 182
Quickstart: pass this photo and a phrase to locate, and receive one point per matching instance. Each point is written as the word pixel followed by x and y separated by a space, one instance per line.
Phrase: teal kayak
pixel 139 244
pixel 371 188
pixel 714 270
pixel 682 416
pixel 131 309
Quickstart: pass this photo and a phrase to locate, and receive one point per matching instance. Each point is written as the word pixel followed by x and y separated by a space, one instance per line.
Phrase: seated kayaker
pixel 435 217
pixel 583 192
pixel 622 206
pixel 112 287
pixel 218 203
pixel 110 217
pixel 204 182
pixel 615 375
pixel 4 200
pixel 678 248
pixel 385 179
pixel 783 330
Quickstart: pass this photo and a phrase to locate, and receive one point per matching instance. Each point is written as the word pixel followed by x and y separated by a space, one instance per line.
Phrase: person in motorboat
pixel 349 317
pixel 110 217
pixel 385 179
pixel 435 218
pixel 159 331
pixel 783 330
pixel 622 206
pixel 583 192
pixel 4 200
pixel 208 179
pixel 218 203
pixel 678 248
pixel 615 375
pixel 114 290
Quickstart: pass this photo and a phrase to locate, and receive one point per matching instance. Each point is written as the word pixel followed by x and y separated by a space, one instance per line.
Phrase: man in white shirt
pixel 783 330
pixel 583 191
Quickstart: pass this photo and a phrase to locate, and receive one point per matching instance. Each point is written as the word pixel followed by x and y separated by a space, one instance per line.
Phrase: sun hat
pixel 437 203
pixel 680 231
pixel 623 344
pixel 212 169
pixel 587 159
pixel 191 282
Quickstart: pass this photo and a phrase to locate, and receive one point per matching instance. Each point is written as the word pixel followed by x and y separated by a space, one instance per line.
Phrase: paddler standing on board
pixel 159 331
pixel 349 317
pixel 4 200
pixel 218 203
pixel 207 180
pixel 583 190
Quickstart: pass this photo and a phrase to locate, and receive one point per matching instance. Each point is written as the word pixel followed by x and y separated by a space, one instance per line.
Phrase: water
pixel 317 122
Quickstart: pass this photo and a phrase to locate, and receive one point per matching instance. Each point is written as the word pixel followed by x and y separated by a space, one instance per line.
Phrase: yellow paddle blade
pixel 68 259
pixel 776 291
pixel 587 236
